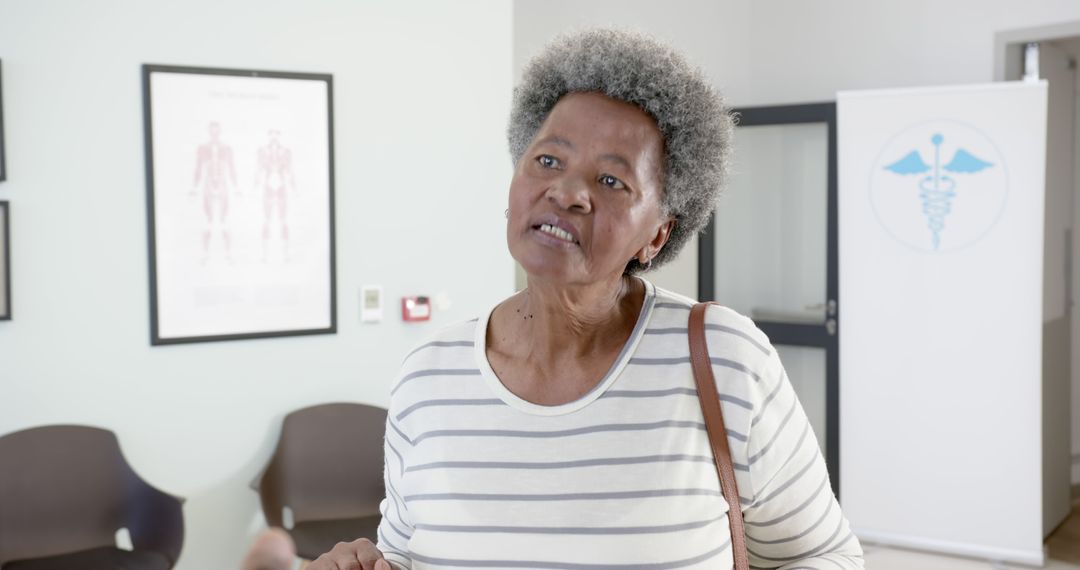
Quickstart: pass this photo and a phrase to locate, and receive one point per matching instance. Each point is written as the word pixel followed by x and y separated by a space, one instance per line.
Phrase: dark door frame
pixel 824 336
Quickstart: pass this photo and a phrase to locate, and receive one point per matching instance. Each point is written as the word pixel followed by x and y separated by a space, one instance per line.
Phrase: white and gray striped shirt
pixel 620 478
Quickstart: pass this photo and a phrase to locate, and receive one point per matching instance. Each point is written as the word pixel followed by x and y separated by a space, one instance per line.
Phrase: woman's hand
pixel 359 554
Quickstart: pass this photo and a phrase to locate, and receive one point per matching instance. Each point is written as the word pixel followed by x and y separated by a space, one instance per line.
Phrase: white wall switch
pixel 371 305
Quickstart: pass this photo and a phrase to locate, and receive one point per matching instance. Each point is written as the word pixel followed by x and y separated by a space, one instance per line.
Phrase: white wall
pixel 806 51
pixel 422 94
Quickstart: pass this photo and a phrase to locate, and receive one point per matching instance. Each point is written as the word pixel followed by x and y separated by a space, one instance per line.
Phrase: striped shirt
pixel 623 477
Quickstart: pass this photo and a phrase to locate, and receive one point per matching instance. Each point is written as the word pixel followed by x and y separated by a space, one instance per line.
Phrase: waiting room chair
pixel 327 470
pixel 66 490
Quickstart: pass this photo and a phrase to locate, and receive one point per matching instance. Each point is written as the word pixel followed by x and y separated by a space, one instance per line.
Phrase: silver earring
pixel 506 214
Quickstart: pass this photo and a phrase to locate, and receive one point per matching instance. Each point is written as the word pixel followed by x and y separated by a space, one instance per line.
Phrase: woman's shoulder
pixel 460 335
pixel 727 330
pixel 678 310
pixel 448 352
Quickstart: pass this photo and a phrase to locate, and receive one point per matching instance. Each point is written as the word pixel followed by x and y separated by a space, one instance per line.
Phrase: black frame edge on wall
pixel 5 219
pixel 3 146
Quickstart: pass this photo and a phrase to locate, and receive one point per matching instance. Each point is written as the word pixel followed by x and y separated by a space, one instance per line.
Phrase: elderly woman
pixel 562 428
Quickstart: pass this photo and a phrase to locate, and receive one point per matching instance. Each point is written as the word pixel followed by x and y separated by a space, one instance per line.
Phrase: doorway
pixel 770 251
pixel 1051 54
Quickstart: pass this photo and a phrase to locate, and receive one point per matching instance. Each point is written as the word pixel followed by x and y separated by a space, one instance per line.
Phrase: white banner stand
pixel 941 194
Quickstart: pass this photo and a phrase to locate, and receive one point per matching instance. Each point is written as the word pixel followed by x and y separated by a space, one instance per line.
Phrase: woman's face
pixel 585 197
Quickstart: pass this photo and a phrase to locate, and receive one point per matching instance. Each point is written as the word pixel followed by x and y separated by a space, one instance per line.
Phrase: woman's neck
pixel 555 321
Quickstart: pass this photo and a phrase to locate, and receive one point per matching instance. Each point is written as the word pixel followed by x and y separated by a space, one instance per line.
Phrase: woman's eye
pixel 548 161
pixel 609 180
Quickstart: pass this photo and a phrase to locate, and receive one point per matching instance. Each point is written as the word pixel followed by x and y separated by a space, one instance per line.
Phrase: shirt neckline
pixel 512 400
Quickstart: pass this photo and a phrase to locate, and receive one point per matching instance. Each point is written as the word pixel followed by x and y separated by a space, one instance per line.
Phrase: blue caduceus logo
pixel 938 189
pixel 939 186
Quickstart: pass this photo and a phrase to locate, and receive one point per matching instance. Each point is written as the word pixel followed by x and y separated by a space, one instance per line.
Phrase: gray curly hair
pixel 639 70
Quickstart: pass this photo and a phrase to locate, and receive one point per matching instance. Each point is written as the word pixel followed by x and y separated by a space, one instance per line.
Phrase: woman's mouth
pixel 556 232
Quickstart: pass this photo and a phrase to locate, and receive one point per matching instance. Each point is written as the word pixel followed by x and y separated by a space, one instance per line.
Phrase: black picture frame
pixel 5 260
pixel 259 86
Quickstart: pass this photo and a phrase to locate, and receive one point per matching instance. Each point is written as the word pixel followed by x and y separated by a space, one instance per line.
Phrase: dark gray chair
pixel 328 470
pixel 64 493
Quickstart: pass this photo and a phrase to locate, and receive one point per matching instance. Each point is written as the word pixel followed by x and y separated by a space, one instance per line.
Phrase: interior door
pixel 1057 65
pixel 770 251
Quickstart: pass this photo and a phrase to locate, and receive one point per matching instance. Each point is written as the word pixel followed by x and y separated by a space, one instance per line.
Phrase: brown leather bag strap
pixel 714 425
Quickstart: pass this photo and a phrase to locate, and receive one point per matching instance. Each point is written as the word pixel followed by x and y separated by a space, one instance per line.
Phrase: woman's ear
pixel 659 238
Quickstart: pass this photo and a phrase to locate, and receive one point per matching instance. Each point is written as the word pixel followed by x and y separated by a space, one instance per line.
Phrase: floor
pixel 881 558
pixel 1063 547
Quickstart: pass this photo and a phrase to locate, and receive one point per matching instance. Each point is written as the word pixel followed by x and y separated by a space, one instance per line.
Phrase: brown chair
pixel 327 469
pixel 65 491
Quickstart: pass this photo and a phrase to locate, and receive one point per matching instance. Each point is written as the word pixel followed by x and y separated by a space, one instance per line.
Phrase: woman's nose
pixel 571 193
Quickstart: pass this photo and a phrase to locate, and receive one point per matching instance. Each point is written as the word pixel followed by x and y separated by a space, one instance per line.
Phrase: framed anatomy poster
pixel 240 203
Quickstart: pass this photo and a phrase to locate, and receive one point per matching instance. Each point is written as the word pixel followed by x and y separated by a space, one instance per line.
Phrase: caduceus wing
pixel 912 163
pixel 964 161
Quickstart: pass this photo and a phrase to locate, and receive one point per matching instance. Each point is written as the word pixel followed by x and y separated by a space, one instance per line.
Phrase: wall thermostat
pixel 371 304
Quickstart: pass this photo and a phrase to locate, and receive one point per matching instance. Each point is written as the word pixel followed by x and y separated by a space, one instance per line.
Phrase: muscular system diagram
pixel 274 176
pixel 215 173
